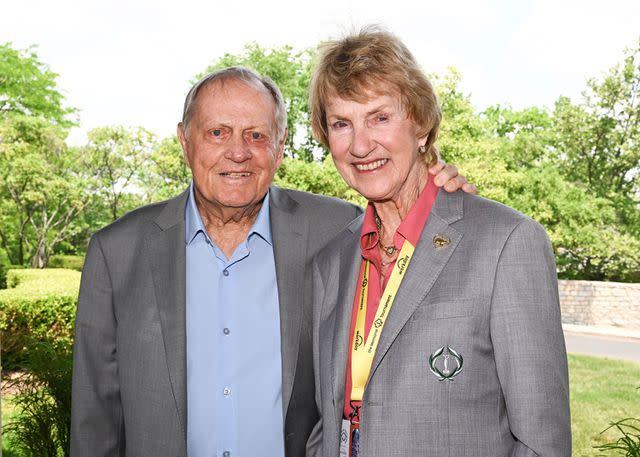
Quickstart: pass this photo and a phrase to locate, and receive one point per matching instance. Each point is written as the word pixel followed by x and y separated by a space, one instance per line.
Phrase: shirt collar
pixel 410 228
pixel 194 224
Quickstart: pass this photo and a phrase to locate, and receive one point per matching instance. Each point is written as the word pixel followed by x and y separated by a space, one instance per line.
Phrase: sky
pixel 130 62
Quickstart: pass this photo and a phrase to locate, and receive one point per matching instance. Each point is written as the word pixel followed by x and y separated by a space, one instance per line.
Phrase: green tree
pixel 598 146
pixel 115 159
pixel 39 184
pixel 600 138
pixel 28 87
pixel 168 173
pixel 514 157
pixel 291 71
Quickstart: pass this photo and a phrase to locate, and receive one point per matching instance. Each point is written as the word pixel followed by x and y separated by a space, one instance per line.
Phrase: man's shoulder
pixel 323 216
pixel 139 220
pixel 319 205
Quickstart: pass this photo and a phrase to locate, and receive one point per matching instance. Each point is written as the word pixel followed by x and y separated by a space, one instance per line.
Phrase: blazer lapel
pixel 166 244
pixel 425 267
pixel 289 247
pixel 350 259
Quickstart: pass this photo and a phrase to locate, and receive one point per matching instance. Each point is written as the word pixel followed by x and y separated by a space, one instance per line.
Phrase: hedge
pixel 71 262
pixel 38 305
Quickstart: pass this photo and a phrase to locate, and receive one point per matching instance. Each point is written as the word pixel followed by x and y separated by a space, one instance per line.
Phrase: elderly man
pixel 192 330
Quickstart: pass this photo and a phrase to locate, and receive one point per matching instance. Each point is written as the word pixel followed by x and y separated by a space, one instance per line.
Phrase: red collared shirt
pixel 410 229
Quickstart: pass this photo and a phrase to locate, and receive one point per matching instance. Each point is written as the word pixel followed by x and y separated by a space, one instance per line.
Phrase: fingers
pixel 444 173
pixel 469 188
pixel 447 177
pixel 460 182
pixel 435 168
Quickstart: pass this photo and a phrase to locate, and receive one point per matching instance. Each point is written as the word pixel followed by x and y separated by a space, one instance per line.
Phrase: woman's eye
pixel 382 117
pixel 339 124
pixel 256 135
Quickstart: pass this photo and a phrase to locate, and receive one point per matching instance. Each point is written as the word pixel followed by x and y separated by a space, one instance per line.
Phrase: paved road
pixel 601 346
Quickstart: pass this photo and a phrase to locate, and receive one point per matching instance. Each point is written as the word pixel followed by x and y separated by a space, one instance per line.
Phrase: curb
pixel 603 331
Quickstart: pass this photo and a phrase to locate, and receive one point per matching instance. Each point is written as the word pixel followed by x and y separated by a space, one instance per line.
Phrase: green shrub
pixel 3 275
pixel 40 305
pixel 41 423
pixel 71 262
pixel 628 442
pixel 4 266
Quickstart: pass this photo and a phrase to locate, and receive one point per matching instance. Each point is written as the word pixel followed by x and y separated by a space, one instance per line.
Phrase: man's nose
pixel 362 143
pixel 237 149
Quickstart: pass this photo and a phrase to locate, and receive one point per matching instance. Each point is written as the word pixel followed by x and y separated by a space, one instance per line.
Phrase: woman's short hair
pixel 373 61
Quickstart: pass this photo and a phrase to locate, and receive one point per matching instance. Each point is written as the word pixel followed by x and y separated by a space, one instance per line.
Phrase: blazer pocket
pixel 447 309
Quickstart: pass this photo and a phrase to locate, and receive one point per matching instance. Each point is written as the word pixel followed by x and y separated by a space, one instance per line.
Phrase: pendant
pixel 389 250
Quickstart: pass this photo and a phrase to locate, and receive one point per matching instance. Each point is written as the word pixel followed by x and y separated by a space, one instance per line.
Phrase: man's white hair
pixel 241 74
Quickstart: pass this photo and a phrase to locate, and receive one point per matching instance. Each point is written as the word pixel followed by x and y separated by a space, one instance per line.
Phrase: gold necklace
pixel 388 250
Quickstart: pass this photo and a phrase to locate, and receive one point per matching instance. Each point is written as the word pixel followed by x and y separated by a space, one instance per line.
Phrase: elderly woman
pixel 436 318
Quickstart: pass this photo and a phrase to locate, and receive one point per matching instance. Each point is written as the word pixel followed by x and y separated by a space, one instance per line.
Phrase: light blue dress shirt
pixel 234 368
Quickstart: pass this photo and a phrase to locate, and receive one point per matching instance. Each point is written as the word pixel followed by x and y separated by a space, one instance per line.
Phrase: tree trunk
pixel 41 258
pixel 20 249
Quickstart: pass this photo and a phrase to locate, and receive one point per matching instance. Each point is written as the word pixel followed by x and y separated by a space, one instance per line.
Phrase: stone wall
pixel 610 304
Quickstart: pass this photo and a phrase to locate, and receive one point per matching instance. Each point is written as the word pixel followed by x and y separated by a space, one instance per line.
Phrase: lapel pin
pixel 441 241
pixel 445 369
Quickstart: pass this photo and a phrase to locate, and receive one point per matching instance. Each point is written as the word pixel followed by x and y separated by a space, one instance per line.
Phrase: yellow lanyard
pixel 362 351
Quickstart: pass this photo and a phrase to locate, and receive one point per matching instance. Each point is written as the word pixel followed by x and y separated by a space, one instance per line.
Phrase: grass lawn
pixel 7 411
pixel 602 391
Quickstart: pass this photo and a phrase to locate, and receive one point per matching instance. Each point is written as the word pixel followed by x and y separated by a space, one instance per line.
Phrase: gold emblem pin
pixel 441 241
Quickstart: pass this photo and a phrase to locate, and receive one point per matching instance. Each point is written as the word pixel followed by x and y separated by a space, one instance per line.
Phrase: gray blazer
pixel 129 373
pixel 490 294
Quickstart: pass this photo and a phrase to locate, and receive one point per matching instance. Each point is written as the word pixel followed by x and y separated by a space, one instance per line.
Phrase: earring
pixel 422 149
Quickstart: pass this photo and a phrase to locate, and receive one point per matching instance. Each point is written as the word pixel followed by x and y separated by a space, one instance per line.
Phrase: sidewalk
pixel 606 342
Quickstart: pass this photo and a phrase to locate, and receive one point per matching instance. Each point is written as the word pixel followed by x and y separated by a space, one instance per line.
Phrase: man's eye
pixel 216 132
pixel 256 137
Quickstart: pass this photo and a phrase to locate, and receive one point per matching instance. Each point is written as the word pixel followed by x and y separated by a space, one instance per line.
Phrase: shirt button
pixel 226 331
pixel 226 392
pixel 226 454
pixel 225 272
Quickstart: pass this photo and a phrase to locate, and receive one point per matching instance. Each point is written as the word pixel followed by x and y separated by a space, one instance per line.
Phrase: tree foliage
pixel 574 168
pixel 599 139
pixel 115 159
pixel 168 174
pixel 536 161
pixel 291 71
pixel 28 87
pixel 40 187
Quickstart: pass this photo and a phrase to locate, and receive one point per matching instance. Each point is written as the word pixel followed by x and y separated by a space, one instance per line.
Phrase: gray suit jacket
pixel 129 374
pixel 491 295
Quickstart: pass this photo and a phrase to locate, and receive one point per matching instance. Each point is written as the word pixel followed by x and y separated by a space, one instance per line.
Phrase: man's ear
pixel 182 137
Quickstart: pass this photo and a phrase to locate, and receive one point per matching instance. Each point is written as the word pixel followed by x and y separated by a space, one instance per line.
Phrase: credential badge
pixel 449 357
